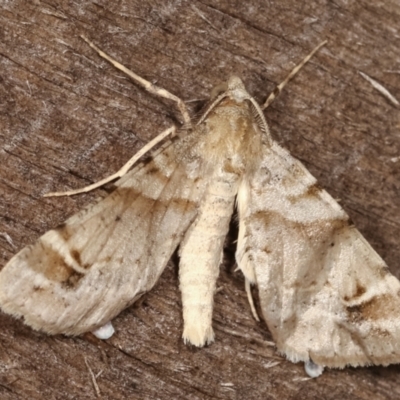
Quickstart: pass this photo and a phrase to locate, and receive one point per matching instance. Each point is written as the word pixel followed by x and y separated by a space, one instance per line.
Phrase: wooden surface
pixel 67 118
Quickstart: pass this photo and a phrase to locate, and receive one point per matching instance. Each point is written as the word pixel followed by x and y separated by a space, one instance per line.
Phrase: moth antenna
pixel 122 171
pixel 260 114
pixel 211 107
pixel 278 89
pixel 143 82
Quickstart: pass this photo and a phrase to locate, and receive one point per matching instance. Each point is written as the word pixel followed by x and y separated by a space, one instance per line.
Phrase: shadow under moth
pixel 326 295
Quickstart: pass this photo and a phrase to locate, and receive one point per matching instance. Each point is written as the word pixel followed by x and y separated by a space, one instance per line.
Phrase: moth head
pixel 233 88
pixel 236 89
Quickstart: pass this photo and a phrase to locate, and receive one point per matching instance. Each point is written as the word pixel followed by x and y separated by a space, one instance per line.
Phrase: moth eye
pixel 219 89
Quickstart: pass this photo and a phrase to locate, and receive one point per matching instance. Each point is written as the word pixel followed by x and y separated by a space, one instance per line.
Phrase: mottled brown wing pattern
pixel 325 294
pixel 78 276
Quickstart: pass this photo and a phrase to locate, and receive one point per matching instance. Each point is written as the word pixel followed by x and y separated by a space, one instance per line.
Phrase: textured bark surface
pixel 67 118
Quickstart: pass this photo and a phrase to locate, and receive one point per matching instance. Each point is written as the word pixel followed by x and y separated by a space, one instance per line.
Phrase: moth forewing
pixel 82 274
pixel 325 294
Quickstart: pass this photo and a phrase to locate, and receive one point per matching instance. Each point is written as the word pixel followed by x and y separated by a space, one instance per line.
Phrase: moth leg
pixel 105 331
pixel 278 89
pixel 244 261
pixel 146 84
pixel 245 264
pixel 122 171
pixel 313 370
pixel 201 254
pixel 250 299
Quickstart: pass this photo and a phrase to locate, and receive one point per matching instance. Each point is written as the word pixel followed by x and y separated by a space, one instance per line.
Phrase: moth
pixel 327 297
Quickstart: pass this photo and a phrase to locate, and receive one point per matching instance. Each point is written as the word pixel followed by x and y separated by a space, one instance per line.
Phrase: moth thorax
pixel 232 136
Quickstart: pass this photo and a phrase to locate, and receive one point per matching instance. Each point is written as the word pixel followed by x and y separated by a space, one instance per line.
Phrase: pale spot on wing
pixel 50 263
pixel 379 307
pixel 359 291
